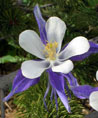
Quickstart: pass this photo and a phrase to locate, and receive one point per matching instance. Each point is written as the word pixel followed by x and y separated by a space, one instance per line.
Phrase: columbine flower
pixel 50 54
pixel 97 75
pixel 93 98
pixel 57 63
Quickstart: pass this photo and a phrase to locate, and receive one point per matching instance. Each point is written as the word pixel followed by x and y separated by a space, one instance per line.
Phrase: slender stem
pixel 2 104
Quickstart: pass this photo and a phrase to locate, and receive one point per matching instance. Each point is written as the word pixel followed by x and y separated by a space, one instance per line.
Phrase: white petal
pixel 97 75
pixel 93 100
pixel 55 29
pixel 30 42
pixel 33 69
pixel 77 46
pixel 64 67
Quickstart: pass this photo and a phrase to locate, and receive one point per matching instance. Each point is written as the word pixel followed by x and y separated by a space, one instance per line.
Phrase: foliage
pixel 86 70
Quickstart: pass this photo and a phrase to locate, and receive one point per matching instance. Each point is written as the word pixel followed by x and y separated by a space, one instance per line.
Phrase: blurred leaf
pixel 11 59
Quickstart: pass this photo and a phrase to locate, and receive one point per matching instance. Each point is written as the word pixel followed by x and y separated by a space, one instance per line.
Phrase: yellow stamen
pixel 50 50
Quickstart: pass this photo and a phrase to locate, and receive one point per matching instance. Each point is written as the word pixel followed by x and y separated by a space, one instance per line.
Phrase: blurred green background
pixel 81 18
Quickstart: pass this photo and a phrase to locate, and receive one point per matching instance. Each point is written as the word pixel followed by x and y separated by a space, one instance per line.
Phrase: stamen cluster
pixel 50 50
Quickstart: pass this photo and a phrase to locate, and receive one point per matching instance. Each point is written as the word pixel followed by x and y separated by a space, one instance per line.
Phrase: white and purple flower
pixel 93 98
pixel 57 63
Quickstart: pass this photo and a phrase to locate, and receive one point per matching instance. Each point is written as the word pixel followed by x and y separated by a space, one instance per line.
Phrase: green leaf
pixel 13 59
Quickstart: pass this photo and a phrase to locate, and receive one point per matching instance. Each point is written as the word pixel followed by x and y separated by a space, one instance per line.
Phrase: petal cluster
pixel 51 51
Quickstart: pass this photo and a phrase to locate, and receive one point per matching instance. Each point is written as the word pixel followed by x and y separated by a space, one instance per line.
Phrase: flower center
pixel 50 50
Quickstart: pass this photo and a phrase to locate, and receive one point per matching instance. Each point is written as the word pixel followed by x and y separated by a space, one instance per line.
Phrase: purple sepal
pixel 41 24
pixel 83 91
pixel 20 84
pixel 64 99
pixel 80 91
pixel 57 82
pixel 93 49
